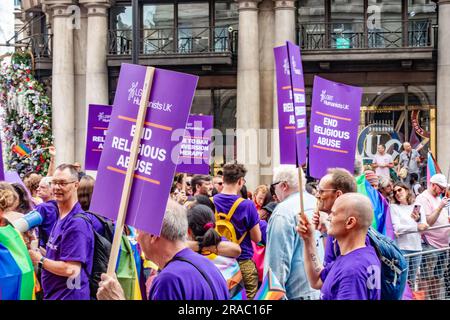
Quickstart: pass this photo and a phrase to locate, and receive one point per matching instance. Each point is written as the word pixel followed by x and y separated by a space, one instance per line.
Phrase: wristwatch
pixel 41 262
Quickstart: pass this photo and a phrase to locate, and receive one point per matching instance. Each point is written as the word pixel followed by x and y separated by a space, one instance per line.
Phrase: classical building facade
pixel 394 49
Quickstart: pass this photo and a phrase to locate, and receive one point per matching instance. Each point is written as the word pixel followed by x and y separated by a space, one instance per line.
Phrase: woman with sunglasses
pixel 408 217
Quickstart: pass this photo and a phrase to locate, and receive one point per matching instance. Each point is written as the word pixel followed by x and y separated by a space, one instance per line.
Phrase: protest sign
pixel 334 126
pixel 298 100
pixel 291 104
pixel 2 170
pixel 195 150
pixel 168 109
pixel 97 126
pixel 286 117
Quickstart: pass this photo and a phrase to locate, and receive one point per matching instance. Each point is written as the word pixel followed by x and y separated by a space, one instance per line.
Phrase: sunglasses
pixel 219 183
pixel 397 190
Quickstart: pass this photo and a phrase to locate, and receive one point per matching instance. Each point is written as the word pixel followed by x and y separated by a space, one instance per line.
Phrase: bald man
pixel 355 274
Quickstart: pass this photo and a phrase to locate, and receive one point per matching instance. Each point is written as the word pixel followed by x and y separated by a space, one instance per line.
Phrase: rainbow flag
pixel 432 167
pixel 21 150
pixel 17 278
pixel 127 269
pixel 381 215
pixel 270 289
pixel 231 271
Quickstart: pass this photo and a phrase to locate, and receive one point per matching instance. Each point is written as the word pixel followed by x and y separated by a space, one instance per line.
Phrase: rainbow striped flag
pixel 381 215
pixel 432 167
pixel 17 278
pixel 21 150
pixel 270 289
pixel 127 270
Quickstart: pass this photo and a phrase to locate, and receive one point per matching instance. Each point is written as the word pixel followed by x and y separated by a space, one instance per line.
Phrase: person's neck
pixel 403 203
pixel 433 193
pixel 168 250
pixel 351 242
pixel 231 189
pixel 288 193
pixel 66 206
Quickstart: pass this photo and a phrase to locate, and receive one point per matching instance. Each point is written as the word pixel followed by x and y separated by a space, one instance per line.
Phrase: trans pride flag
pixel 381 213
pixel 270 289
pixel 17 278
pixel 432 167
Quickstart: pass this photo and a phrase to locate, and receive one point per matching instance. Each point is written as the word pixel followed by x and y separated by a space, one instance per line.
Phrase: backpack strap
pixel 204 275
pixel 233 208
pixel 215 209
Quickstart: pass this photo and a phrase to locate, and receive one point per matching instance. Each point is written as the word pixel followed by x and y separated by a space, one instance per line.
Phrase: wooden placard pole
pixel 300 188
pixel 130 171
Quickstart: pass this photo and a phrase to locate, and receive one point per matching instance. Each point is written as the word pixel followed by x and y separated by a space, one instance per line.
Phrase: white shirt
pixel 402 222
pixel 384 159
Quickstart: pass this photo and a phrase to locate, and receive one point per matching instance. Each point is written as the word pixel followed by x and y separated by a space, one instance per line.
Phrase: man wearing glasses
pixel 433 206
pixel 218 184
pixel 69 252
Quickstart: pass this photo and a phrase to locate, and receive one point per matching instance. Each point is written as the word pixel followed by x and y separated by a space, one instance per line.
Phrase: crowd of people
pixel 219 239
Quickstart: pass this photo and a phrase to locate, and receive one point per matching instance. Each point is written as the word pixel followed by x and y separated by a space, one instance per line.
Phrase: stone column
pixel 266 66
pixel 80 48
pixel 96 69
pixel 247 114
pixel 284 30
pixel 443 83
pixel 63 106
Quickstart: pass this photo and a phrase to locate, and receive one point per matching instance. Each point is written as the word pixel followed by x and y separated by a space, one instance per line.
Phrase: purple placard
pixel 170 102
pixel 2 170
pixel 195 151
pixel 299 99
pixel 286 117
pixel 98 121
pixel 334 126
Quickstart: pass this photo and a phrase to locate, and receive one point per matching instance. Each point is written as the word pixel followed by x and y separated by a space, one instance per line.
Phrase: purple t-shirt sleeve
pixel 76 241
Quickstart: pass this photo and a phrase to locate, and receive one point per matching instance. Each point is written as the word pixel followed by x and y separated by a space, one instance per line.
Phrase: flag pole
pixel 130 170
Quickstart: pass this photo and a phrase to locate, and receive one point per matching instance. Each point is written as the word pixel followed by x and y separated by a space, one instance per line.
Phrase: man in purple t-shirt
pixel 185 275
pixel 245 221
pixel 69 253
pixel 355 274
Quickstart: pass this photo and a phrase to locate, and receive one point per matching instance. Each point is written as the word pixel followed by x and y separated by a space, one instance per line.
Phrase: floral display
pixel 25 116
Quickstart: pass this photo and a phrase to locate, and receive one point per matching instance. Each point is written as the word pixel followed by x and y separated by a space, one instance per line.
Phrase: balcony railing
pixel 39 44
pixel 175 41
pixel 359 35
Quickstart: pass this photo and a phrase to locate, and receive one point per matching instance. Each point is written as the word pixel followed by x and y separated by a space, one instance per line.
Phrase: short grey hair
pixel 358 168
pixel 47 181
pixel 384 182
pixel 175 223
pixel 288 174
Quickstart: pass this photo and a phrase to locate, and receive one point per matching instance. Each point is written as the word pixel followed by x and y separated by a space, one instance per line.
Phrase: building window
pixel 347 24
pixel 121 33
pixel 226 18
pixel 193 27
pixel 158 33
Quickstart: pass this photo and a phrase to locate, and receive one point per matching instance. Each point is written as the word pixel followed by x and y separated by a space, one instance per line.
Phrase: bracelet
pixel 41 262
